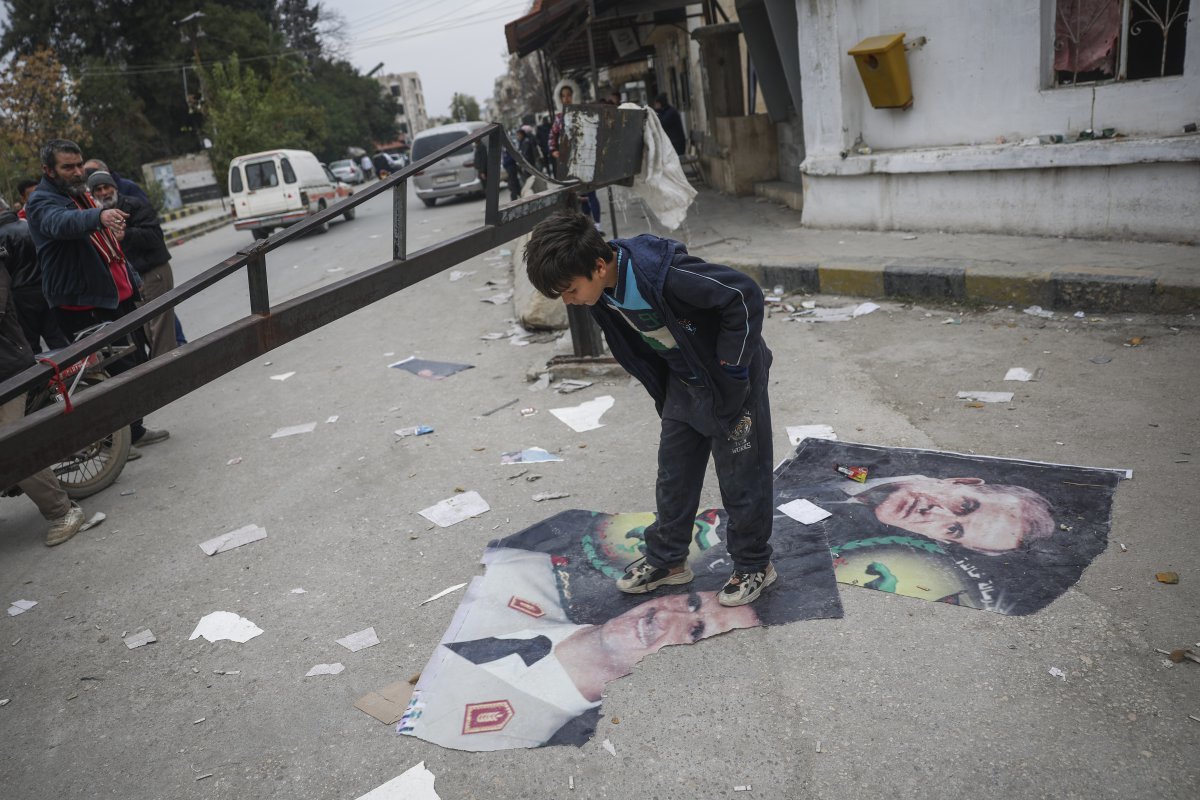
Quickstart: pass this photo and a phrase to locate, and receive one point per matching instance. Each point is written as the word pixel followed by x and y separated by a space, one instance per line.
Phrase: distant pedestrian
pixel 367 169
pixel 43 488
pixel 672 123
pixel 146 250
pixel 85 276
pixel 382 167
pixel 511 172
pixel 38 322
pixel 24 189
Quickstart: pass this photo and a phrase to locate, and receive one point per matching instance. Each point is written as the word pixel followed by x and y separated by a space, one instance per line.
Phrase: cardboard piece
pixel 387 704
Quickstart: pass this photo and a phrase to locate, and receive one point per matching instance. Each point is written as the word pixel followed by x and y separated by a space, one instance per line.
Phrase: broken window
pixel 1099 41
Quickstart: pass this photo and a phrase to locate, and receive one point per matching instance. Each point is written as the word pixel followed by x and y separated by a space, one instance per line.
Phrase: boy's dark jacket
pixel 715 314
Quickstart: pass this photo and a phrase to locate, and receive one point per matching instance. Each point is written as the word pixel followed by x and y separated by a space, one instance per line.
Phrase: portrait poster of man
pixel 539 635
pixel 988 533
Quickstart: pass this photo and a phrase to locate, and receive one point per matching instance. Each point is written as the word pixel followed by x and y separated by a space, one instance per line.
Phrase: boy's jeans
pixel 744 472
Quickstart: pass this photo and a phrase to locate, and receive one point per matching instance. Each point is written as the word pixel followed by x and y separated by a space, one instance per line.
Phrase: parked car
pixel 452 176
pixel 347 170
pixel 276 188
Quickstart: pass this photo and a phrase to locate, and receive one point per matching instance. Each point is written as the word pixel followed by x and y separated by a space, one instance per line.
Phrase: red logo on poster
pixel 487 717
pixel 525 607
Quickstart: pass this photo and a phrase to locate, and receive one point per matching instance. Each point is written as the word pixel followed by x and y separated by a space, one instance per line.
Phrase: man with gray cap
pixel 146 251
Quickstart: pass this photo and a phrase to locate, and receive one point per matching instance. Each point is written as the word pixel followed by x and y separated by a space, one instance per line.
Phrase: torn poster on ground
pixel 996 534
pixel 430 370
pixel 537 637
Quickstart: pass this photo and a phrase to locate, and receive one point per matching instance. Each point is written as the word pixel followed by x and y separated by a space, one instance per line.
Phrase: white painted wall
pixel 982 74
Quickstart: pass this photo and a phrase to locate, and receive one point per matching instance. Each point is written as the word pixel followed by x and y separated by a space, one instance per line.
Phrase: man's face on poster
pixel 673 619
pixel 950 510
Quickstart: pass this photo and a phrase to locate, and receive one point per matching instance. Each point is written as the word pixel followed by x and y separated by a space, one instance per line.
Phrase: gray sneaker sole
pixel 671 580
pixel 750 598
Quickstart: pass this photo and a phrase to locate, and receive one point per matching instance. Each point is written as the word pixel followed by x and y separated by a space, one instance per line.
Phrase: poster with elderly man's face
pixel 540 633
pixel 988 533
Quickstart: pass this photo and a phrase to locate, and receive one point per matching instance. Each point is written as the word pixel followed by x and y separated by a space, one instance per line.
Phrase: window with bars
pixel 1102 41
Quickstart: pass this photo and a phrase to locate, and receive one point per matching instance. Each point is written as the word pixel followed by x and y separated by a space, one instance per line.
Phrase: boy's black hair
pixel 25 184
pixel 562 247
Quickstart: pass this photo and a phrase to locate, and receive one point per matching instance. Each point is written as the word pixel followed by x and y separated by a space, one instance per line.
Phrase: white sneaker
pixel 65 526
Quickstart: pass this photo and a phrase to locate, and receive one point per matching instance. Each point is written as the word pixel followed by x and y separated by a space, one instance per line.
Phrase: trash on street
pixel 95 520
pixel 413 430
pixel 413 784
pixel 798 433
pixel 430 370
pixel 538 498
pixel 530 455
pixel 292 430
pixel 804 511
pixel 326 669
pixel 20 607
pixel 225 625
pixel 443 593
pixel 227 541
pixel 455 509
pixel 134 640
pixel 986 397
pixel 1020 374
pixel 282 377
pixel 585 416
pixel 359 640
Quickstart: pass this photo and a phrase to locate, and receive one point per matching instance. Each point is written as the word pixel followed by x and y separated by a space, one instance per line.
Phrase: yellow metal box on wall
pixel 884 70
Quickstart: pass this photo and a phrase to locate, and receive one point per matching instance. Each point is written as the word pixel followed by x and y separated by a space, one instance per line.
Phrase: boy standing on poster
pixel 690 331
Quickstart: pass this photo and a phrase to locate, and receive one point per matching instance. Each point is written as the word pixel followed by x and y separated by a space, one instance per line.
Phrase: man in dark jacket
pixel 147 253
pixel 672 123
pixel 43 488
pixel 37 320
pixel 124 185
pixel 691 333
pixel 85 276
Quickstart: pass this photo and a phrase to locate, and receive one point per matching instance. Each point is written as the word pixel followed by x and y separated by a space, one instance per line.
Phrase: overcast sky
pixel 455 45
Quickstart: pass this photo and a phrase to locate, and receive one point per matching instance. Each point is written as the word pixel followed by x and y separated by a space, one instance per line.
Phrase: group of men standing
pixel 87 248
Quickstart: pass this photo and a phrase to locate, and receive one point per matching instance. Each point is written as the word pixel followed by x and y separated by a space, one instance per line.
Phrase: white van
pixel 457 174
pixel 276 188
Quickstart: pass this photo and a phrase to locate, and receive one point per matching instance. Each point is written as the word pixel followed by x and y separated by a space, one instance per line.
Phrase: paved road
pixel 908 698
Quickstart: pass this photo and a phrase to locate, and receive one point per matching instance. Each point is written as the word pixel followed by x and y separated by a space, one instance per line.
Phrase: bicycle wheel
pixel 96 466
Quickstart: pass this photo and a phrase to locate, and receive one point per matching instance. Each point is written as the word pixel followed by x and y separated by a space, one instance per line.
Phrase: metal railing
pixel 48 435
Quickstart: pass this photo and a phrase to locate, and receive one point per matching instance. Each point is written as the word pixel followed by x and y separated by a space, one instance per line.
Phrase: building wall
pixel 982 84
pixel 406 88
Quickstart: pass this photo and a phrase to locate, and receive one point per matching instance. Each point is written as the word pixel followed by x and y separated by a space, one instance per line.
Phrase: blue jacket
pixel 715 314
pixel 73 274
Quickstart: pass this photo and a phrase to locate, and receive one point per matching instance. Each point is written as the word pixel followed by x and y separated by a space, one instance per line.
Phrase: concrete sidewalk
pixel 766 240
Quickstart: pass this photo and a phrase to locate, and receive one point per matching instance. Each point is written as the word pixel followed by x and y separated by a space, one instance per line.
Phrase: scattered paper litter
pixel 1079 315
pixel 1058 673
pixel 227 541
pixel 459 274
pixel 326 669
pixel 307 427
pixel 443 593
pixel 607 745
pixel 1018 374
pixel 96 519
pixel 413 430
pixel 748 787
pixel 541 383
pixel 491 337
pixel 804 511
pixel 141 638
pixel 282 377
pixel 331 419
pixel 530 455
pixel 571 385
pixel 499 299
pixel 360 640
pixel 414 784
pixel 233 461
pixel 455 509
pixel 1038 311
pixel 841 314
pixel 798 433
pixel 225 625
pixel 987 397
pixel 585 416
pixel 298 590
pixel 537 498
pixel 20 607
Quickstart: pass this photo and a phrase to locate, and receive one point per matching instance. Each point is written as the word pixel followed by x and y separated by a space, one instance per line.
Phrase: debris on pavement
pixel 292 430
pixel 542 382
pixel 538 498
pixel 135 640
pixel 571 385
pixel 360 640
pixel 512 402
pixel 841 314
pixel 413 430
pixel 335 668
pixel 585 416
pixel 1167 577
pixel 1100 360
pixel 1058 673
pixel 459 274
pixel 331 419
pixel 853 473
pixel 443 593
pixel 387 704
pixel 413 784
pixel 528 412
pixel 225 625
pixel 430 370
pixel 128 492
pixel 748 787
pixel 798 433
pixel 20 607
pixel 456 509
pixel 227 541
pixel 499 299
pixel 298 590
pixel 1021 374
pixel 804 511
pixel 607 745
pixel 1038 311
pixel 282 377
pixel 986 397
pixel 530 455
pixel 233 461
pixel 1136 341
pixel 95 520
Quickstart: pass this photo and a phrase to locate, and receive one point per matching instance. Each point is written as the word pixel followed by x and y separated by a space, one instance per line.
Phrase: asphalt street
pixel 900 698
